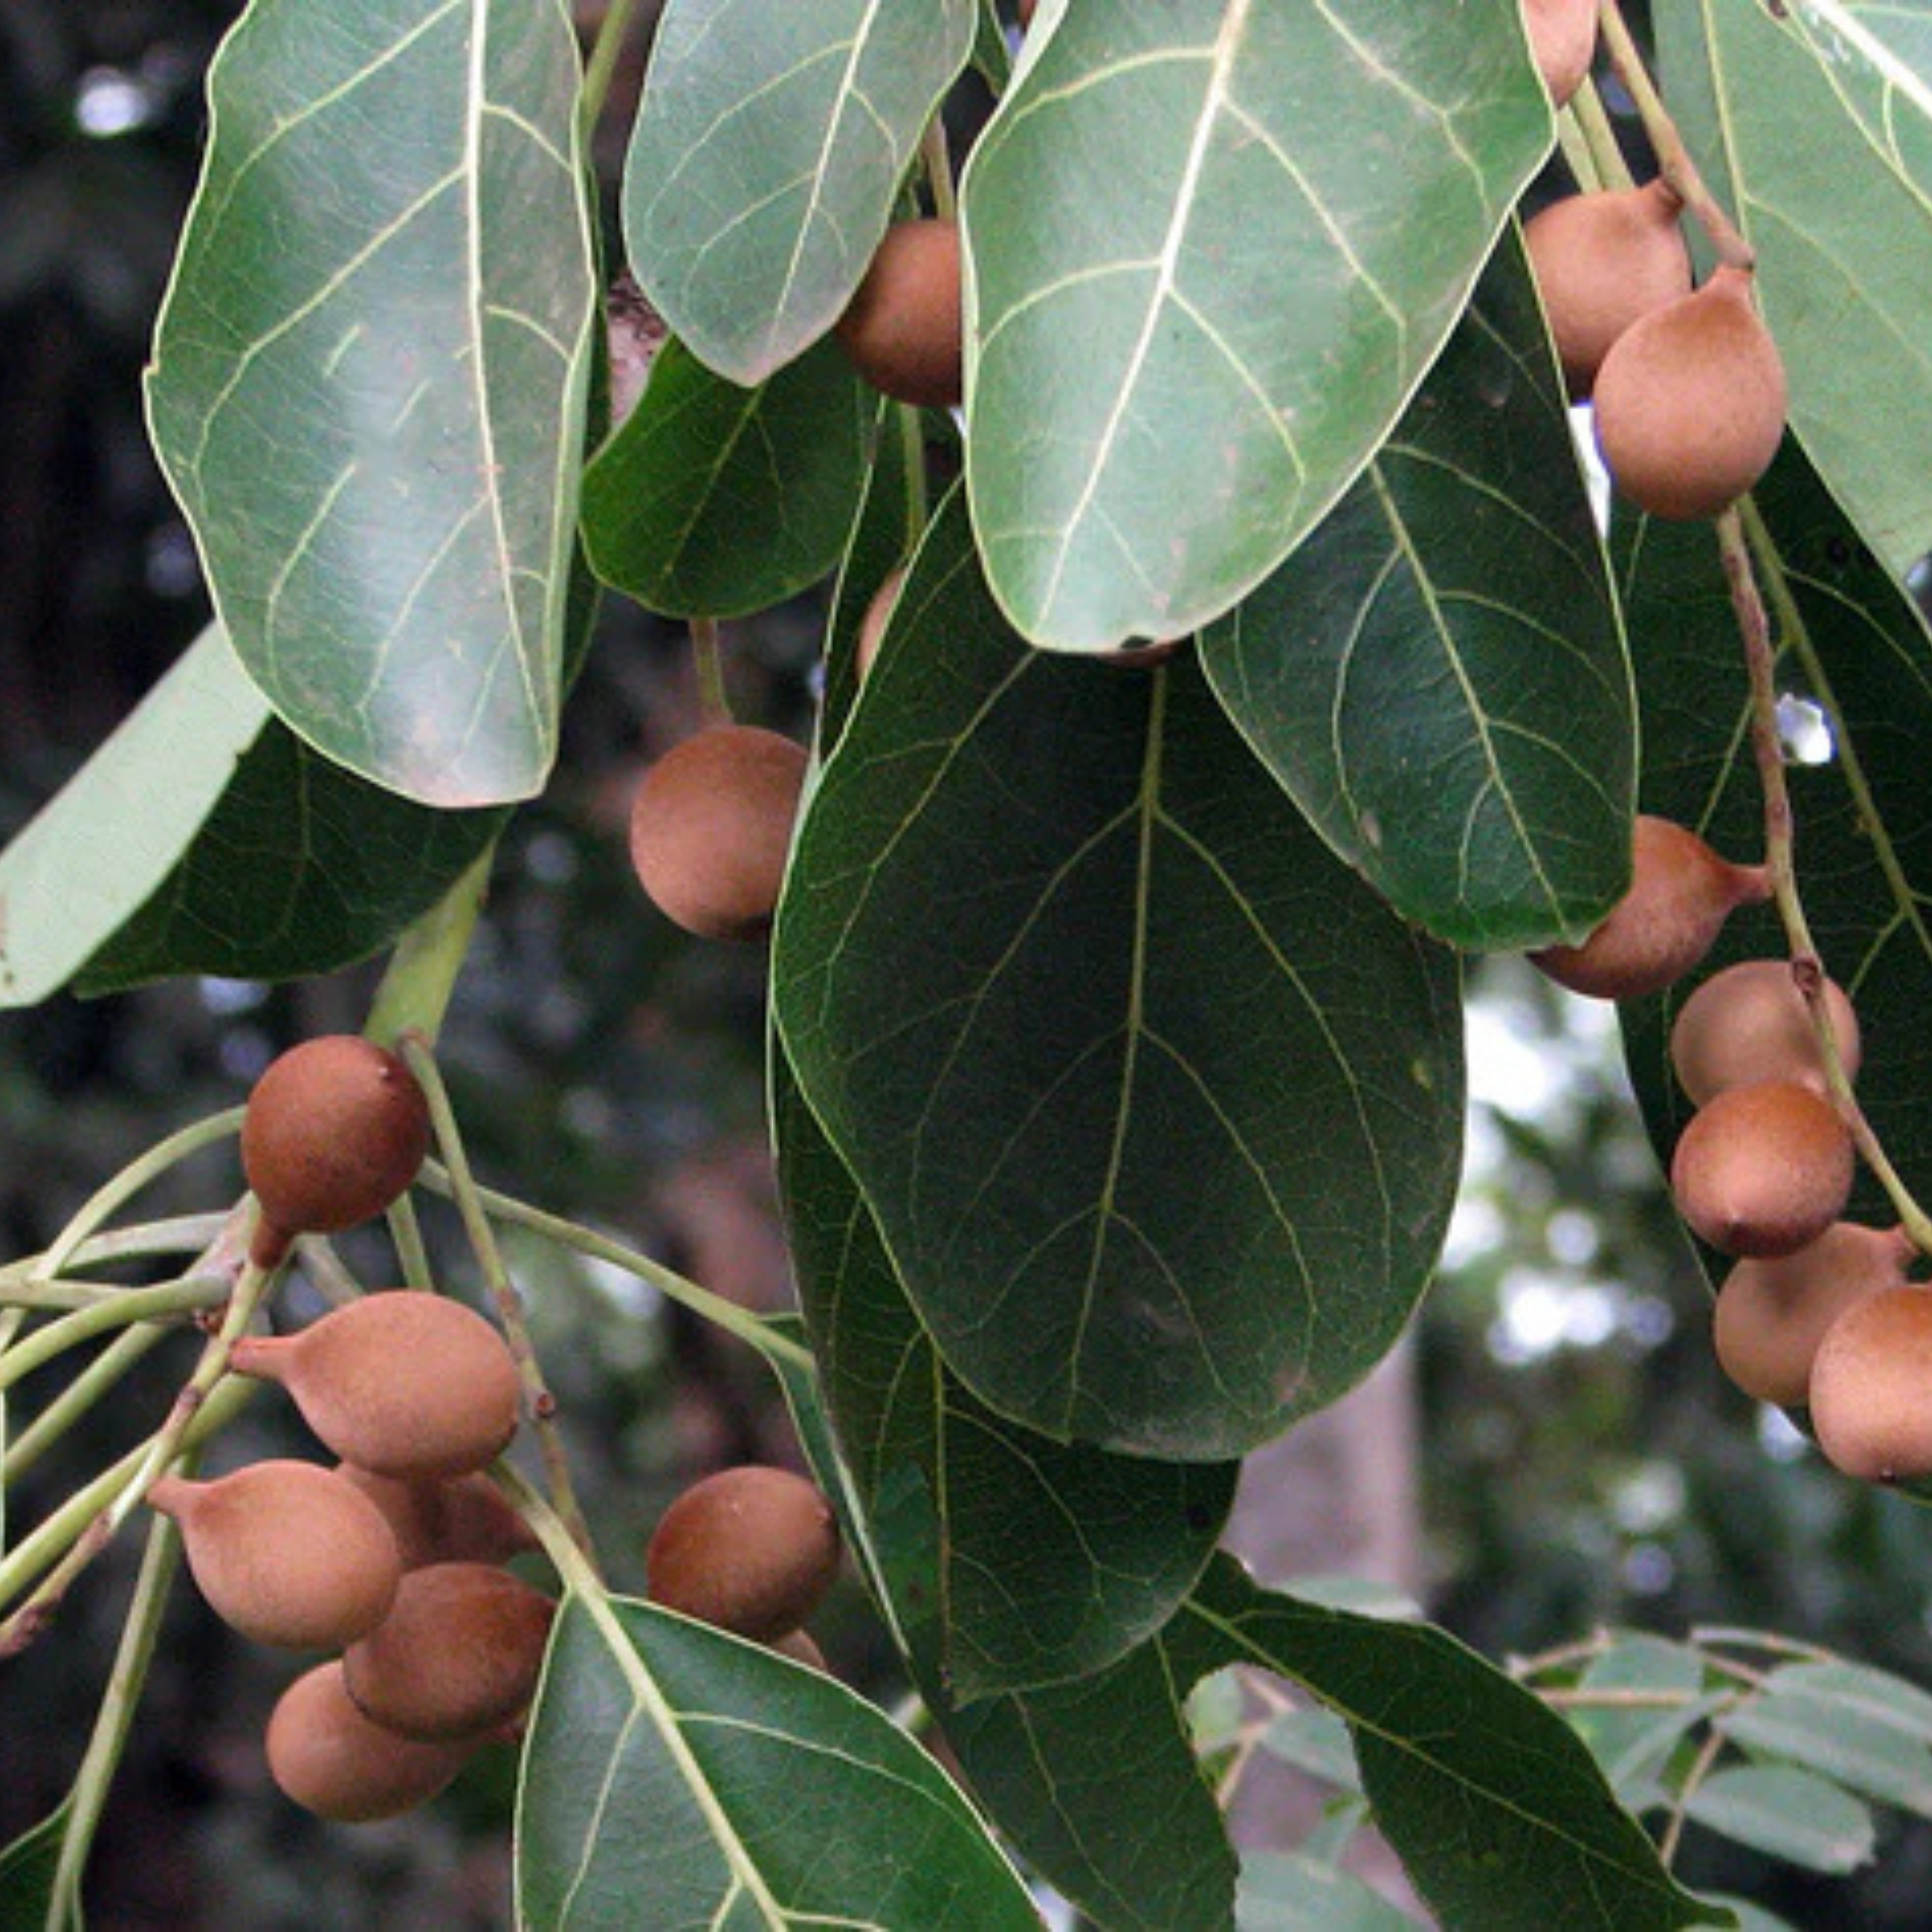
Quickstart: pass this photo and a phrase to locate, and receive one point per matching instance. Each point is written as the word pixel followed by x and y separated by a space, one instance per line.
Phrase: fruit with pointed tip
pixel 285 1552
pixel 332 1760
pixel 1771 1314
pixel 446 1519
pixel 751 1550
pixel 1690 401
pixel 1762 1169
pixel 1681 893
pixel 902 329
pixel 1750 1022
pixel 1871 1387
pixel 1562 42
pixel 402 1382
pixel 1603 262
pixel 711 829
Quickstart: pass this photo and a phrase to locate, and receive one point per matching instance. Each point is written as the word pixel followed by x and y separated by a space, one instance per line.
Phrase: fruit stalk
pixel 707 664
pixel 120 1308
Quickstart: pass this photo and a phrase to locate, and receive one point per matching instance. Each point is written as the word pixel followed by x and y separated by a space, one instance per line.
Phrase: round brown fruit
pixel 1690 401
pixel 335 1129
pixel 902 329
pixel 458 1655
pixel 752 1550
pixel 1871 1387
pixel 1563 43
pixel 1763 1169
pixel 1603 262
pixel 332 1760
pixel 1771 1314
pixel 286 1552
pixel 711 829
pixel 402 1382
pixel 1681 893
pixel 1750 1022
pixel 459 1520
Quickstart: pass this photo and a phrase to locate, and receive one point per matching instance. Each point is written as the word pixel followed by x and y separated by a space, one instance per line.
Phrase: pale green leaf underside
pixel 768 150
pixel 370 377
pixel 1212 246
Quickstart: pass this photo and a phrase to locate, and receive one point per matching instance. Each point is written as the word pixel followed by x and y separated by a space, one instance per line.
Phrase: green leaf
pixel 1437 675
pixel 1801 115
pixel 1316 1742
pixel 29 1867
pixel 657 1752
pixel 1790 1814
pixel 767 152
pixel 713 501
pixel 1861 1690
pixel 1282 1892
pixel 78 871
pixel 1854 1748
pixel 373 417
pixel 1631 1743
pixel 1213 247
pixel 1157 1106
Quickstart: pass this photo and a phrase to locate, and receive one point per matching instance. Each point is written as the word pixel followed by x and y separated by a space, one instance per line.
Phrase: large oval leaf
pixel 768 149
pixel 373 421
pixel 1438 674
pixel 1214 245
pixel 1157 1105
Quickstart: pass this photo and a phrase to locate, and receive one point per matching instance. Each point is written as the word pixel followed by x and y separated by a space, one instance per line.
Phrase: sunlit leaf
pixel 1857 1749
pixel 1283 1892
pixel 1790 1814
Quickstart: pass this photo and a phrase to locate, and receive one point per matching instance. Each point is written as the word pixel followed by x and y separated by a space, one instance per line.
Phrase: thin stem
pixel 605 52
pixel 41 1297
pixel 101 1376
pixel 574 1562
pixel 164 1300
pixel 1584 1650
pixel 406 1230
pixel 707 664
pixel 181 1234
pixel 938 157
pixel 414 994
pixel 1700 1769
pixel 1705 1635
pixel 327 1273
pixel 912 440
pixel 1599 137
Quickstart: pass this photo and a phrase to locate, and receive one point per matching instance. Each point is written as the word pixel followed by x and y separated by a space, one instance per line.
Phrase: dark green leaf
pixel 768 150
pixel 675 1776
pixel 1790 1814
pixel 1214 245
pixel 1156 1106
pixel 371 374
pixel 713 501
pixel 29 1868
pixel 1437 675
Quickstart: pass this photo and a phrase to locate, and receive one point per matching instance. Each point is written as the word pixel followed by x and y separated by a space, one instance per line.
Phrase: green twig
pixel 181 1234
pixel 707 665
pixel 414 994
pixel 165 1300
pixel 605 52
pixel 406 1230
pixel 938 157
pixel 103 1373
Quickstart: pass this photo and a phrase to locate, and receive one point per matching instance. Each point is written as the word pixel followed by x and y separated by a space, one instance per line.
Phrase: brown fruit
pixel 1771 1314
pixel 711 829
pixel 1762 1169
pixel 403 1383
pixel 1603 262
pixel 902 329
pixel 1681 893
pixel 802 1648
pixel 878 614
pixel 751 1549
pixel 286 1552
pixel 461 1519
pixel 1690 401
pixel 1871 1387
pixel 329 1758
pixel 457 1656
pixel 334 1131
pixel 1563 43
pixel 1750 1022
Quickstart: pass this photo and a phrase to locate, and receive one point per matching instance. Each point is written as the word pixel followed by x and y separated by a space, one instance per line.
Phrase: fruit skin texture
pixel 457 1656
pixel 332 1760
pixel 1563 43
pixel 711 829
pixel 1750 1022
pixel 334 1131
pixel 902 329
pixel 1771 1314
pixel 1682 892
pixel 403 1383
pixel 1690 401
pixel 1763 1169
pixel 752 1550
pixel 1603 262
pixel 286 1552
pixel 460 1520
pixel 1869 1384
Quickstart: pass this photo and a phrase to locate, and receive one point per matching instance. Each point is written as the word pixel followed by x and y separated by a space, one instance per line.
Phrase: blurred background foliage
pixel 1582 1462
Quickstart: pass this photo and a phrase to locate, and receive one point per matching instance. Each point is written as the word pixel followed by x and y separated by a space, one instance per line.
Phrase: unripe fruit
pixel 1870 1387
pixel 461 1519
pixel 286 1552
pixel 1690 401
pixel 752 1550
pixel 404 1383
pixel 1563 43
pixel 1750 1022
pixel 1763 1169
pixel 1772 1315
pixel 1603 262
pixel 1682 892
pixel 334 1130
pixel 902 330
pixel 711 829
pixel 333 1761
pixel 457 1656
